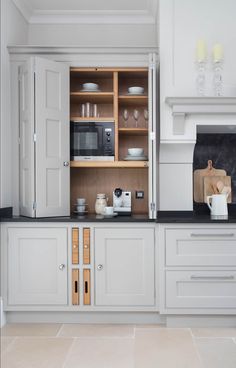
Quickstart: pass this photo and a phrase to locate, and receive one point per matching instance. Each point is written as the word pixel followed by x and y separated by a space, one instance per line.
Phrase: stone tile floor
pixel 116 346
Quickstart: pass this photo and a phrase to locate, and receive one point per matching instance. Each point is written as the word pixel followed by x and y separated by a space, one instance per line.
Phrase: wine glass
pixel 136 115
pixel 146 116
pixel 125 117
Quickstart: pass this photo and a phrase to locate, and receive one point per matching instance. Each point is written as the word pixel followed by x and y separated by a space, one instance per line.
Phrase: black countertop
pixel 189 217
pixel 87 218
pixel 163 217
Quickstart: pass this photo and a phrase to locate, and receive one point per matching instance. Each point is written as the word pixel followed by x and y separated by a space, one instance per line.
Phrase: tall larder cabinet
pixel 50 96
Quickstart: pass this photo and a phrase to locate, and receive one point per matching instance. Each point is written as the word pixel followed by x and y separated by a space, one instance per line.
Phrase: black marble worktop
pixel 87 218
pixel 5 212
pixel 189 217
pixel 163 217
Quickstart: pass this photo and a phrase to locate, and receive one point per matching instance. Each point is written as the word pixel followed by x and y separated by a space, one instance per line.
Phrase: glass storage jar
pixel 100 204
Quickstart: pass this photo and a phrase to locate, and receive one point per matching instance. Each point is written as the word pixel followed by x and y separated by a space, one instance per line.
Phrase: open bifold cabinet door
pixel 152 139
pixel 44 139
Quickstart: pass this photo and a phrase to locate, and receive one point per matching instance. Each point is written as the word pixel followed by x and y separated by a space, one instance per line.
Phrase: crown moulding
pixel 183 106
pixel 146 16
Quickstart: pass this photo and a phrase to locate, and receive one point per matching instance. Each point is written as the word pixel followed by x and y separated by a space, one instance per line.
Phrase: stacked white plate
pixel 90 87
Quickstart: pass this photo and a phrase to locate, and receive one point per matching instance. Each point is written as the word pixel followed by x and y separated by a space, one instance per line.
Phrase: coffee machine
pixel 122 202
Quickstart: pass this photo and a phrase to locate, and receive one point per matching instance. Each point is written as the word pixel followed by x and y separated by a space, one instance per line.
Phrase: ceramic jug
pixel 218 206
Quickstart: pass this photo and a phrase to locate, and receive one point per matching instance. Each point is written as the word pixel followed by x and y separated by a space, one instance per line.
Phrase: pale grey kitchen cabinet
pixel 44 138
pixel 124 267
pixel 37 266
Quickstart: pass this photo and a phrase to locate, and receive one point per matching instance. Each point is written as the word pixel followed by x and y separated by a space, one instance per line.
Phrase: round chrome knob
pixel 100 267
pixel 66 163
pixel 61 267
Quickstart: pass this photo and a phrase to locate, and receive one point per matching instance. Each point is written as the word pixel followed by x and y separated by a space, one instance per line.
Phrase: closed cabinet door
pixel 124 267
pixel 37 266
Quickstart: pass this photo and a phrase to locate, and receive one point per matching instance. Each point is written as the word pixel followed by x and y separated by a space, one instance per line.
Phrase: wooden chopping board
pixel 211 187
pixel 198 180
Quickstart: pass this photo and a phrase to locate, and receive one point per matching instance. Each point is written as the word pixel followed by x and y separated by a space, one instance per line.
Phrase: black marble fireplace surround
pixel 221 149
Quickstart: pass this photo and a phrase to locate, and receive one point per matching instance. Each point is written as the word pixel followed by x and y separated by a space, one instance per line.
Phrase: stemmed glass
pixel 146 115
pixel 136 115
pixel 126 117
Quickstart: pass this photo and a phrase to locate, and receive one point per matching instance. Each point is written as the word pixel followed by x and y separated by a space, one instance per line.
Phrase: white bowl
pixel 90 86
pixel 135 151
pixel 136 90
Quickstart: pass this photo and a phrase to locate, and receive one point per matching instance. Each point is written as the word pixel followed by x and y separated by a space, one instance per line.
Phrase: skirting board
pixel 201 321
pixel 85 317
pixel 2 314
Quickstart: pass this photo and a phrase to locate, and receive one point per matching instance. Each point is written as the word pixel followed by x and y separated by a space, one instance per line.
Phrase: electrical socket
pixel 139 194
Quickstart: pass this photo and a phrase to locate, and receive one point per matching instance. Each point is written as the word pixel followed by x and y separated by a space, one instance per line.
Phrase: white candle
pixel 201 51
pixel 217 53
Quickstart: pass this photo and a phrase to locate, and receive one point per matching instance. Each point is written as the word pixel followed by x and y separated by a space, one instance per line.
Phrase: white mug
pixel 108 211
pixel 80 201
pixel 218 206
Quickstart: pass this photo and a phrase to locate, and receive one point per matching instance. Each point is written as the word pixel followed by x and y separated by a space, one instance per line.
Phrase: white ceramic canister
pixel 100 204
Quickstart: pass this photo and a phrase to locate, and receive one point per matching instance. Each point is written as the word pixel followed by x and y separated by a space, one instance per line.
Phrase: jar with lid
pixel 100 204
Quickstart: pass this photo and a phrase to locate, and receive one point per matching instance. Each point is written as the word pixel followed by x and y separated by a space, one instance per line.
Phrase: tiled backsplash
pixel 221 149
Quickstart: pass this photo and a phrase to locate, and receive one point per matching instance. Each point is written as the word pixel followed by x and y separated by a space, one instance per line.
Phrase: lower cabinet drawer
pixel 200 247
pixel 200 289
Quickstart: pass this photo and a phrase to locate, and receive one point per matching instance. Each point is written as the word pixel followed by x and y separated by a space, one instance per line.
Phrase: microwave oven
pixel 92 141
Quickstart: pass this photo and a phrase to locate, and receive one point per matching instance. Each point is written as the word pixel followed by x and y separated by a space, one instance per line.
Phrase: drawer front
pixel 201 289
pixel 200 247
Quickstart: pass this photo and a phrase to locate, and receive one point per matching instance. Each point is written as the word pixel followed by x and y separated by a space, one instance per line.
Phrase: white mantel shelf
pixel 182 106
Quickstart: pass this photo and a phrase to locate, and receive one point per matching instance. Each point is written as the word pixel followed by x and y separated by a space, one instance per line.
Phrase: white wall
pixel 14 30
pixel 93 35
pixel 182 23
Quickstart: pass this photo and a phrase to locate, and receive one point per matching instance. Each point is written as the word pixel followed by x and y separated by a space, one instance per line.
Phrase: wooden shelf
pixel 133 100
pixel 133 131
pixel 110 164
pixel 82 120
pixel 105 97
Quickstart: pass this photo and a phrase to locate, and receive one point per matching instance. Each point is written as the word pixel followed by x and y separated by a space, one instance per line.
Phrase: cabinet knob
pixel 61 267
pixel 66 163
pixel 100 267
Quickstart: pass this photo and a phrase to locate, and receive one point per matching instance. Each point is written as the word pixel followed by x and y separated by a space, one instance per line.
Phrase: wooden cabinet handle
pixel 75 245
pixel 75 287
pixel 86 245
pixel 87 287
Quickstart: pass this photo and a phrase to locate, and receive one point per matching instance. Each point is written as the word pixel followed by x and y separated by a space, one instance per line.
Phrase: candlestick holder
pixel 217 78
pixel 201 77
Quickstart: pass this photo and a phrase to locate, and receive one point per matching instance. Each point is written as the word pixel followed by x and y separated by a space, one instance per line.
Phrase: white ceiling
pixel 88 11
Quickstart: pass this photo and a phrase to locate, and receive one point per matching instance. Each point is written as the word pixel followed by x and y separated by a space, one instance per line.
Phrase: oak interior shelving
pixel 111 99
pixel 110 164
pixel 133 131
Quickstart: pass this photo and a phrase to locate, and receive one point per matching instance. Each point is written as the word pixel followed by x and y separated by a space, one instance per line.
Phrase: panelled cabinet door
pixel 37 266
pixel 52 138
pixel 124 267
pixel 27 183
pixel 152 139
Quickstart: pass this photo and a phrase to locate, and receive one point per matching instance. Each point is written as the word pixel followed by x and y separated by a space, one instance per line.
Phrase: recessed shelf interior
pixel 87 182
pixel 90 178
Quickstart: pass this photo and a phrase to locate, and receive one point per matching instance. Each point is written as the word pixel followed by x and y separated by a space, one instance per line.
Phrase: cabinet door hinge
pixel 153 206
pixel 34 205
pixel 152 136
pixel 34 137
